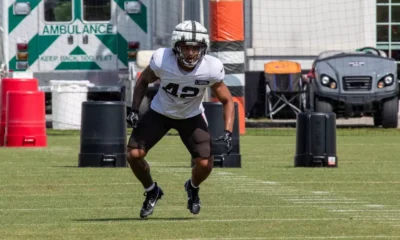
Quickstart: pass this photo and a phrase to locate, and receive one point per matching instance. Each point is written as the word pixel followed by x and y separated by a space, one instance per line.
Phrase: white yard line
pixel 129 192
pixel 366 210
pixel 189 220
pixel 374 205
pixel 342 182
pixel 67 184
pixel 160 208
pixel 320 199
pixel 334 202
pixel 300 237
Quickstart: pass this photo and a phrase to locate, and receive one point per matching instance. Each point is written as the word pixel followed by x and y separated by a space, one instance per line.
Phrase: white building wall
pixel 299 30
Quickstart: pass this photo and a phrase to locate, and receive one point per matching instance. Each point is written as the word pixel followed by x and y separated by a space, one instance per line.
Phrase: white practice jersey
pixel 180 94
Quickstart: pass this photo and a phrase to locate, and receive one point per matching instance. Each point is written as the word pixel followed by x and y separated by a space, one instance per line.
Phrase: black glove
pixel 133 118
pixel 227 138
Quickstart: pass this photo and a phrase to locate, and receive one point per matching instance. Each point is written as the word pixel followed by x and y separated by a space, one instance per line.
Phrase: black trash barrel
pixel 103 134
pixel 316 140
pixel 214 113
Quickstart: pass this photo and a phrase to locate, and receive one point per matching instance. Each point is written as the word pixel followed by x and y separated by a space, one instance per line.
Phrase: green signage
pixel 76 29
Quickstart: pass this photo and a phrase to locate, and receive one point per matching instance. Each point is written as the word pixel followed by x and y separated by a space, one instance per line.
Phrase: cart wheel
pixel 323 106
pixel 390 108
pixel 377 119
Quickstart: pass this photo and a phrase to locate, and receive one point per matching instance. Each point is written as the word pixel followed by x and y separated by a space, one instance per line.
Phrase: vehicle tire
pixel 389 113
pixel 378 118
pixel 323 106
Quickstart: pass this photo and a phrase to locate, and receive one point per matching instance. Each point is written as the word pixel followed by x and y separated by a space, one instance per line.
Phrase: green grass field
pixel 44 195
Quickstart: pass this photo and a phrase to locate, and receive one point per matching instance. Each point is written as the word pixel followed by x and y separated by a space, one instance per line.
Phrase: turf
pixel 44 195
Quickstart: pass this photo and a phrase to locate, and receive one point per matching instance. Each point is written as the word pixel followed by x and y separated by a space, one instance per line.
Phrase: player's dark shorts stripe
pixel 232 68
pixel 227 46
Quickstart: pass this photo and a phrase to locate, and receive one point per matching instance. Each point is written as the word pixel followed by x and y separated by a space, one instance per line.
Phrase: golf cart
pixel 356 84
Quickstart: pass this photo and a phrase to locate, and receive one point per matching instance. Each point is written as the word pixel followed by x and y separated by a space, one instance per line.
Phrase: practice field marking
pixel 321 199
pixel 161 208
pixel 375 192
pixel 175 163
pixel 67 184
pixel 296 196
pixel 366 210
pixel 332 202
pixel 321 192
pixel 293 144
pixel 374 205
pixel 240 184
pixel 300 237
pixel 189 220
pixel 85 194
pixel 343 182
pixel 223 173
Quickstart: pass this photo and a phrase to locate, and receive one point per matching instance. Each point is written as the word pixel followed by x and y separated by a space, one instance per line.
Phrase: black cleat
pixel 193 198
pixel 150 201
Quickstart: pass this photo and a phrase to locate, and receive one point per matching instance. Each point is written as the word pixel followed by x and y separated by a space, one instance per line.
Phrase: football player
pixel 185 72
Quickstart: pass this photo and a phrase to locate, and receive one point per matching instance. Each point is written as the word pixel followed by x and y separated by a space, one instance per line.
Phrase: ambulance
pixel 94 41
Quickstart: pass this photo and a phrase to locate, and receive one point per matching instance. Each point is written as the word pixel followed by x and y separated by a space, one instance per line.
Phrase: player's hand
pixel 227 138
pixel 133 118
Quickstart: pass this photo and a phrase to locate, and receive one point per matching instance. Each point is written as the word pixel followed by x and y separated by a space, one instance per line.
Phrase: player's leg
pixel 196 137
pixel 151 128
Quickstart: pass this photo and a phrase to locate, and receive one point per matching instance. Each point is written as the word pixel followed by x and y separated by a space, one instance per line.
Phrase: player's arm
pixel 142 83
pixel 223 94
